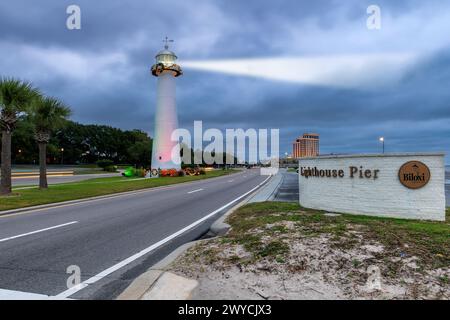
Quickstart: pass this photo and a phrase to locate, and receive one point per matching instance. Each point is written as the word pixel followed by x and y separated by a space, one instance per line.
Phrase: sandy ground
pixel 316 267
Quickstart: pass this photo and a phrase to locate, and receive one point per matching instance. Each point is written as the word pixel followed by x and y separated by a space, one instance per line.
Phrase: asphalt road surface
pixel 23 181
pixel 288 191
pixel 111 241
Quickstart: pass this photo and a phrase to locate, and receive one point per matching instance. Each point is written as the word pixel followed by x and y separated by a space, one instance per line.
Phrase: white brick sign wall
pixel 375 188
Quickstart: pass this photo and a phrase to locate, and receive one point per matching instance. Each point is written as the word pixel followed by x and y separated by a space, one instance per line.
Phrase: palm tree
pixel 48 114
pixel 15 99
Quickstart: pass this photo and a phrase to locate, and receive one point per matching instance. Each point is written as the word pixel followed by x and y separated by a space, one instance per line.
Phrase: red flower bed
pixel 168 173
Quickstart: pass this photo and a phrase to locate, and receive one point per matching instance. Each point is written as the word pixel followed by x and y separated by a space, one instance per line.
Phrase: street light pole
pixel 62 155
pixel 382 141
pixel 20 153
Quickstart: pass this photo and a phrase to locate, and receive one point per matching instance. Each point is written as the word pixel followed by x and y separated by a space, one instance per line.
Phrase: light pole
pixel 17 156
pixel 62 155
pixel 382 141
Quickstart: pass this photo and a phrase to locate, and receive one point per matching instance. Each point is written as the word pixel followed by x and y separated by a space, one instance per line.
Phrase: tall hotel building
pixel 306 146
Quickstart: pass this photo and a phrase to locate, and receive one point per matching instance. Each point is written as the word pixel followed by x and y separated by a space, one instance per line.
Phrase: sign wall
pixel 406 185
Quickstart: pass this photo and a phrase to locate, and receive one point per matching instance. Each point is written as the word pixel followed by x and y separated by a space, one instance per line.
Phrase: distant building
pixel 306 146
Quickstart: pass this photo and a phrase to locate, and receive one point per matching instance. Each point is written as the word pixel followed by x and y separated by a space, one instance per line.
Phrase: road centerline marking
pixel 37 231
pixel 121 264
pixel 193 191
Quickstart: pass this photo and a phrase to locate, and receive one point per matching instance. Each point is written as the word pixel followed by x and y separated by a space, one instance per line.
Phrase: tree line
pixel 77 143
pixel 35 128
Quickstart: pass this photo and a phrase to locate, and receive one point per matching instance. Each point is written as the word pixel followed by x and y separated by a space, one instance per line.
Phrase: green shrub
pixel 105 163
pixel 129 172
pixel 133 172
pixel 202 171
pixel 140 173
pixel 110 168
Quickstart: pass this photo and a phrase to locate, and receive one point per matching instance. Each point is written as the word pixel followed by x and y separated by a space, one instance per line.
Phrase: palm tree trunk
pixel 5 184
pixel 43 166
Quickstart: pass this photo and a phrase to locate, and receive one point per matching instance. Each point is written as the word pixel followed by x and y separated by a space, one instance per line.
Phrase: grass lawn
pixel 92 188
pixel 292 170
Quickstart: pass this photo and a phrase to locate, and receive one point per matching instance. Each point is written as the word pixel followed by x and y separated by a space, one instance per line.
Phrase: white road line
pixel 37 231
pixel 193 191
pixel 154 246
pixel 230 180
pixel 20 295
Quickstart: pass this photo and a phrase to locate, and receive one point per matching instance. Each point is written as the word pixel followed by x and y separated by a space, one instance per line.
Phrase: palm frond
pixel 16 96
pixel 49 114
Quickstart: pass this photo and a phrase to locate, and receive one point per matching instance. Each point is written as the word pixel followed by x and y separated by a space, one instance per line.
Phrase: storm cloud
pixel 102 70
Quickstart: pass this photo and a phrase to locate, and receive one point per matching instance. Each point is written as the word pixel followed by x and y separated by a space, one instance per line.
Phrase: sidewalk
pixel 268 192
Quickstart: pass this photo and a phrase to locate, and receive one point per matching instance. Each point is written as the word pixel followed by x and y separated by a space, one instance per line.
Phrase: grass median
pixel 93 187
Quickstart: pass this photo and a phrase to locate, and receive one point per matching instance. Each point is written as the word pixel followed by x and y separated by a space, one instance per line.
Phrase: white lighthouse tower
pixel 165 154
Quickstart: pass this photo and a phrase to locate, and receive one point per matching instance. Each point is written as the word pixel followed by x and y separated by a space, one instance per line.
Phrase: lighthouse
pixel 165 154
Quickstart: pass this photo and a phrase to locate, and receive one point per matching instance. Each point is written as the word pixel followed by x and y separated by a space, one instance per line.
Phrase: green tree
pixel 48 114
pixel 23 145
pixel 140 153
pixel 83 144
pixel 16 98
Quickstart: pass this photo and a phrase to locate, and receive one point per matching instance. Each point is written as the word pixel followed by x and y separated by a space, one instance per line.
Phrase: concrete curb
pixel 269 191
pixel 148 279
pixel 146 285
pixel 266 193
pixel 220 227
pixel 106 196
pixel 274 193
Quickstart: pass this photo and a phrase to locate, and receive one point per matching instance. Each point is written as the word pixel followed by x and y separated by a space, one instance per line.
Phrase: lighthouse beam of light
pixel 344 71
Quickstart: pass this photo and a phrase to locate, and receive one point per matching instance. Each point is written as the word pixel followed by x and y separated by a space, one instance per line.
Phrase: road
pixel 25 181
pixel 288 191
pixel 111 240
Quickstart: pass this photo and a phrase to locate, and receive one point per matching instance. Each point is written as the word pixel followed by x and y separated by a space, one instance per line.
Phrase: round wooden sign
pixel 414 174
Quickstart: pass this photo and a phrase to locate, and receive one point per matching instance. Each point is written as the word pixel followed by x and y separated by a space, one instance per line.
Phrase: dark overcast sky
pixel 102 70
